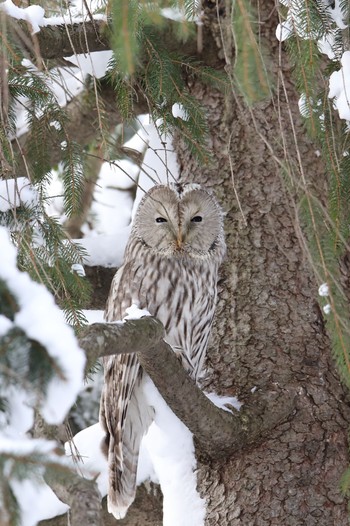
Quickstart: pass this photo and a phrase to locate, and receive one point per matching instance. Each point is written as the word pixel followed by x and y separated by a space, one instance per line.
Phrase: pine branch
pixel 58 42
pixel 217 433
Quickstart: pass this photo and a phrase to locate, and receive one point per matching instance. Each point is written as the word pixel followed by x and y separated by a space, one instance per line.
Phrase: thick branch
pixel 217 432
pixel 105 339
pixel 55 42
pixel 81 495
pixel 59 41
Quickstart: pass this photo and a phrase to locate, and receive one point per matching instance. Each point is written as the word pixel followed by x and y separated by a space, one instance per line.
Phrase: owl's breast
pixel 183 298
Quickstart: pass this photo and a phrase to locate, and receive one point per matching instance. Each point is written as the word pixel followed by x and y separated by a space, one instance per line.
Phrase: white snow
pixel 121 174
pixel 326 308
pixel 79 269
pixel 295 23
pixel 112 204
pixel 339 87
pixel 166 457
pixel 42 320
pixel 88 457
pixel 170 447
pixel 94 64
pixel 35 498
pixel 21 447
pixel 179 111
pixel 159 163
pixel 338 13
pixel 323 290
pixel 5 325
pixel 326 45
pixel 20 413
pixel 105 250
pixel 224 401
pixel 303 105
pixel 16 192
pixel 284 30
pixel 36 501
pixel 35 16
pixel 134 313
pixel 94 316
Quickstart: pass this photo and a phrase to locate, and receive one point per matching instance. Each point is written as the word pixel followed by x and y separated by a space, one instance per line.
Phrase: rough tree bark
pixel 269 336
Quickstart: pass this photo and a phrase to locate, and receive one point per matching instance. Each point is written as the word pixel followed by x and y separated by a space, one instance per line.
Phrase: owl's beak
pixel 179 239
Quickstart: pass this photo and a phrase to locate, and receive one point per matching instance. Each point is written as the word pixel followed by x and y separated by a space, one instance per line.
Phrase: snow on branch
pixel 63 38
pixel 50 32
pixel 217 432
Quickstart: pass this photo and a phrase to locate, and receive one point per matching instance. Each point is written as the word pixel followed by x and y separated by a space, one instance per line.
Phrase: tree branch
pixel 59 41
pixel 217 433
pixel 55 42
pixel 81 495
pixel 106 339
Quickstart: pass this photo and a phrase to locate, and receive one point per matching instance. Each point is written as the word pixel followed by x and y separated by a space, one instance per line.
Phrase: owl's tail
pixel 123 456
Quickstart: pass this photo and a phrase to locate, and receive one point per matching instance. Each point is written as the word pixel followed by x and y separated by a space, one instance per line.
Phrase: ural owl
pixel 170 268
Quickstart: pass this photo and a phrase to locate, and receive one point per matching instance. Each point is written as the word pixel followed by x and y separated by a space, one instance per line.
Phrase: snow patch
pixel 89 459
pixel 323 290
pixel 223 401
pixel 134 313
pixel 170 447
pixel 42 320
pixel 105 250
pixel 339 87
pixel 326 308
pixel 16 192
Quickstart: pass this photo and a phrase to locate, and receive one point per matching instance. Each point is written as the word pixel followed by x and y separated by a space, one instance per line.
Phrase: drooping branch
pixel 217 433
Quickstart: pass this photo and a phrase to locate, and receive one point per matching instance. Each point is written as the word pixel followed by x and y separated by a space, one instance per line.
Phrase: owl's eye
pixel 196 219
pixel 161 220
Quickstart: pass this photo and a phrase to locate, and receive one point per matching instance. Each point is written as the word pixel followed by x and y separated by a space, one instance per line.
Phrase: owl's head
pixel 180 221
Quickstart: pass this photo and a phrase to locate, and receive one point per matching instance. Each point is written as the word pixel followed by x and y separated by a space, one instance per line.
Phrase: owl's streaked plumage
pixel 170 268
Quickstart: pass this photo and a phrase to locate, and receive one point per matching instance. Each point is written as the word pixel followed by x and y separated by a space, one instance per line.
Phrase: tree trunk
pixel 270 334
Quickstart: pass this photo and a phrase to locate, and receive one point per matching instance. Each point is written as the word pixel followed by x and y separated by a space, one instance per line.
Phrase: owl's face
pixel 179 220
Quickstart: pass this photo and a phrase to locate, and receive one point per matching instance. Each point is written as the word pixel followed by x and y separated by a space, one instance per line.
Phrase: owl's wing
pixel 124 415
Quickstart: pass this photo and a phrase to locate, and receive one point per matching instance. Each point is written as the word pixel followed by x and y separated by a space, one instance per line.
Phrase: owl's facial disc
pixel 180 225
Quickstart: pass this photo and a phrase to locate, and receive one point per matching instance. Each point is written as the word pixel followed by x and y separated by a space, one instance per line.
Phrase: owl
pixel 170 268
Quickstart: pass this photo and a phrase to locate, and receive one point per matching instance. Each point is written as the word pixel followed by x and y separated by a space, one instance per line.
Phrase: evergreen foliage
pixel 44 250
pixel 326 225
pixel 160 74
pixel 250 67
